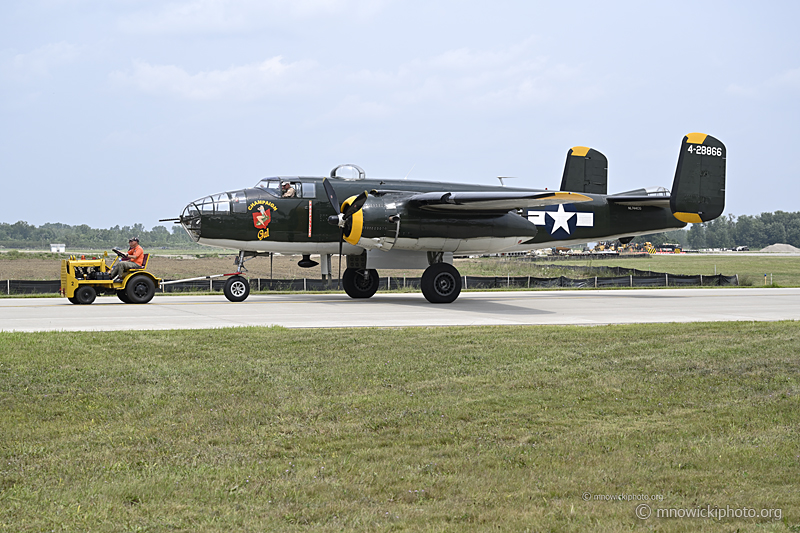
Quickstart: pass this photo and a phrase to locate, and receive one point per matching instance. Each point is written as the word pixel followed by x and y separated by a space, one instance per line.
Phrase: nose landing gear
pixel 236 289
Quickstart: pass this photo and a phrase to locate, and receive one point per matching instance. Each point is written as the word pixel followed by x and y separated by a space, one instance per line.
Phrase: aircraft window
pixel 206 205
pixel 657 191
pixel 239 202
pixel 222 205
pixel 309 190
pixel 293 186
pixel 271 185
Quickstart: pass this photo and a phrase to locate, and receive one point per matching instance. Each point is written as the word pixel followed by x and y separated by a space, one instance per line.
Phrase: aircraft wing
pixel 492 200
pixel 639 200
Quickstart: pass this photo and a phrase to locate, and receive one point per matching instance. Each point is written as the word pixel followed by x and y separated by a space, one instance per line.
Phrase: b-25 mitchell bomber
pixel 395 223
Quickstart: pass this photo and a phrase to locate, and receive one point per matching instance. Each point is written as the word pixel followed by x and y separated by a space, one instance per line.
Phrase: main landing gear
pixel 441 282
pixel 360 282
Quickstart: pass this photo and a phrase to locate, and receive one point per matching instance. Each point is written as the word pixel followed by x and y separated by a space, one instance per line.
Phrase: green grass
pixel 443 429
pixel 785 270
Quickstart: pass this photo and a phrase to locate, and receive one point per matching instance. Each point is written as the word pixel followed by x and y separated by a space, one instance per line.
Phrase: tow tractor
pixel 83 279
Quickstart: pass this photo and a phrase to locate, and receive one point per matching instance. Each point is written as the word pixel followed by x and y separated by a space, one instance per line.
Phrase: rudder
pixel 698 191
pixel 586 171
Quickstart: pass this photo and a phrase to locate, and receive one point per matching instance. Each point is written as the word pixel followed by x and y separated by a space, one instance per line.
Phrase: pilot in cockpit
pixel 287 191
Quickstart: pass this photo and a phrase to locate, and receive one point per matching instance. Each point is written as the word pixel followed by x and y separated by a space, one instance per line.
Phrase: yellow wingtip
pixel 689 218
pixel 580 151
pixel 696 138
pixel 572 196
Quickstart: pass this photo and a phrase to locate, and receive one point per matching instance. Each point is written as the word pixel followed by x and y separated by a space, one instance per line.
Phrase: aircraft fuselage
pixel 259 220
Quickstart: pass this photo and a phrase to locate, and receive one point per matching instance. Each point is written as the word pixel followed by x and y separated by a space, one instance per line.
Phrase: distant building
pixel 58 248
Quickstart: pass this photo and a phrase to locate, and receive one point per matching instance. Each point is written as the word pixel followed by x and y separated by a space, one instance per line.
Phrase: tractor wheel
pixel 360 283
pixel 122 296
pixel 441 283
pixel 236 289
pixel 85 294
pixel 140 289
pixel 73 300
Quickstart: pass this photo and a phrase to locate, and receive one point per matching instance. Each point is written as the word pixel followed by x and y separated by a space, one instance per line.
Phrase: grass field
pixel 444 429
pixel 785 270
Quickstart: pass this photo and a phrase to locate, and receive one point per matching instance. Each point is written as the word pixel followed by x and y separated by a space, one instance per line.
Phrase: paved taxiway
pixel 394 310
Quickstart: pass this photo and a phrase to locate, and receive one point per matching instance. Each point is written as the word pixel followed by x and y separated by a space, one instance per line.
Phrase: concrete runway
pixel 395 310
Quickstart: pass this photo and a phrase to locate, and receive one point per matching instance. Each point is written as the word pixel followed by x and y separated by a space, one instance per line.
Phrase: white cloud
pixel 512 77
pixel 39 63
pixel 223 16
pixel 788 80
pixel 353 107
pixel 245 82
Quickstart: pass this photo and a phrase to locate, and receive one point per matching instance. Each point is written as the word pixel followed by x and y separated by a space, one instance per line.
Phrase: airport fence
pixel 641 279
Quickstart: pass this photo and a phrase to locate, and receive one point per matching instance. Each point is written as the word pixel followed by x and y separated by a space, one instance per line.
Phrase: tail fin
pixel 698 192
pixel 586 170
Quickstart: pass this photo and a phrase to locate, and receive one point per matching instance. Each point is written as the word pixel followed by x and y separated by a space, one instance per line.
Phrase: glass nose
pixel 190 220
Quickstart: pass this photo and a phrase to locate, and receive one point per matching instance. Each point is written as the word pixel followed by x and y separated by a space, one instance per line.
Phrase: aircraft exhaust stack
pixel 698 191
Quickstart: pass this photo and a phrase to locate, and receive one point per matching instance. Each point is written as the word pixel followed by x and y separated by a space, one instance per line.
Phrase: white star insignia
pixel 560 219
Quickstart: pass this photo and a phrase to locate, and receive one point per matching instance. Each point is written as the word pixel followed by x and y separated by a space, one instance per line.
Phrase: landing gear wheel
pixel 236 289
pixel 360 283
pixel 122 296
pixel 140 289
pixel 85 295
pixel 441 283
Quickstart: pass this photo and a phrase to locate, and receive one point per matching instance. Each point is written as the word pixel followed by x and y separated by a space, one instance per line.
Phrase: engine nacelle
pixel 387 222
pixel 375 225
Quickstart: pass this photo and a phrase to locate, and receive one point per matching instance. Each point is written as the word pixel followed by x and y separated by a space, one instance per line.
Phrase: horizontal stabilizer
pixel 586 171
pixel 493 200
pixel 639 201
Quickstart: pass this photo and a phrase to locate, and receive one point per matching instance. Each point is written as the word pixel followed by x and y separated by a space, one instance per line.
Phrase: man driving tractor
pixel 133 259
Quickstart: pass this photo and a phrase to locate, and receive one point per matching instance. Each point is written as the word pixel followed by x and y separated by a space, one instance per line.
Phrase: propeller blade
pixel 341 241
pixel 357 204
pixel 331 195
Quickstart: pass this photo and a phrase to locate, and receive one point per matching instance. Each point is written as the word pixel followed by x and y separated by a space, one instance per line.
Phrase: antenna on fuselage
pixel 501 178
pixel 409 172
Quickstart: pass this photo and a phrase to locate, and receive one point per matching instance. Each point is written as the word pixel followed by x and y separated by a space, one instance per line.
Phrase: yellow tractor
pixel 83 279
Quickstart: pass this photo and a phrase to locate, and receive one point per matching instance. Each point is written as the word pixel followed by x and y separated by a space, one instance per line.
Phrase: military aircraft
pixel 395 223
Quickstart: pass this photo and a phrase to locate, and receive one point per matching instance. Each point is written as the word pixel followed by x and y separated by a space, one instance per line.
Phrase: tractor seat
pixel 145 259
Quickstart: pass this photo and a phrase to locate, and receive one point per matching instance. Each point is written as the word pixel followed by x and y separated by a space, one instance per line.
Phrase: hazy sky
pixel 114 112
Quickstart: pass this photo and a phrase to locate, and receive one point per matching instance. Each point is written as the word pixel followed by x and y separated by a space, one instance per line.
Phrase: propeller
pixel 342 219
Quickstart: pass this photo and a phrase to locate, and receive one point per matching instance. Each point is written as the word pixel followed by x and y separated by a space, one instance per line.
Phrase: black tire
pixel 140 289
pixel 236 289
pixel 73 300
pixel 85 294
pixel 441 283
pixel 122 296
pixel 357 285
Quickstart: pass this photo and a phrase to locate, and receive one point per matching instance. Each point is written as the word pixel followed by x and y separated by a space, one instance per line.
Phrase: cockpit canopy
pixel 302 188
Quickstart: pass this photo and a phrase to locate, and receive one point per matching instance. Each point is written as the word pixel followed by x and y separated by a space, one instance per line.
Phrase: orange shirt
pixel 136 254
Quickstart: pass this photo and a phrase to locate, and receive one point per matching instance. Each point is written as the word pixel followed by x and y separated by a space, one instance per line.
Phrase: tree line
pixel 728 231
pixel 22 235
